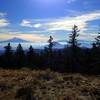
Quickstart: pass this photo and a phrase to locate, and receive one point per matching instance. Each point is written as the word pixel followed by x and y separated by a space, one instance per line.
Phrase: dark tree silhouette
pixel 8 56
pixel 20 56
pixel 31 57
pixel 98 40
pixel 95 56
pixel 73 43
pixel 48 52
pixel 50 41
pixel 97 46
pixel 73 37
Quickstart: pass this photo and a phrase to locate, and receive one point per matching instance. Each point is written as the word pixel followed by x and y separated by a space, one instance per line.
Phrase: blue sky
pixel 36 20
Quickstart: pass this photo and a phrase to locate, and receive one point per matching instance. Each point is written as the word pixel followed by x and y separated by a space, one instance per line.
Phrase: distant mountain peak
pixel 56 45
pixel 16 40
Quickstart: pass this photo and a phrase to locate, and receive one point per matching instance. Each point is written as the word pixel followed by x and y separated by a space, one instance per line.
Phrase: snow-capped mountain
pixel 15 40
pixel 56 45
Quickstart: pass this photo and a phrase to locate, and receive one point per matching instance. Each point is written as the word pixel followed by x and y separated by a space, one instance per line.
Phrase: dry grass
pixel 47 85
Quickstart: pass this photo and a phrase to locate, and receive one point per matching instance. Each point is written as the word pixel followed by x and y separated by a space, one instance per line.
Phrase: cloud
pixel 2 14
pixel 37 25
pixel 43 38
pixel 68 22
pixel 65 24
pixel 70 1
pixel 87 36
pixel 4 22
pixel 33 37
pixel 26 23
pixel 30 37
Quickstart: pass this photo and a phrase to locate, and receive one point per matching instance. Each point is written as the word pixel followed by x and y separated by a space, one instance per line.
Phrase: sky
pixel 36 20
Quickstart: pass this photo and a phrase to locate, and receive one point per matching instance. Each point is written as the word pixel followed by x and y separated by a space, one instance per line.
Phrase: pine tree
pixel 98 40
pixel 98 45
pixel 48 52
pixel 94 54
pixel 31 57
pixel 8 56
pixel 50 41
pixel 74 50
pixel 20 56
pixel 73 37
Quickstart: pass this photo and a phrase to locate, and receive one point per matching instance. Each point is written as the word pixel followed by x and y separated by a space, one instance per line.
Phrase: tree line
pixel 71 58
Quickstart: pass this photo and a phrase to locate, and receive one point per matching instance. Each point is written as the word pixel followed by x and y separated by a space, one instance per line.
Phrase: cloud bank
pixel 42 26
pixel 65 23
pixel 29 37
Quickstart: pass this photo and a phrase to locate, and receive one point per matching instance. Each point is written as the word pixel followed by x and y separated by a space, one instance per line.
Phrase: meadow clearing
pixel 25 84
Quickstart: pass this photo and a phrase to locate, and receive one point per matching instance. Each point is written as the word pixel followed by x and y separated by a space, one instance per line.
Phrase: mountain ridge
pixel 16 40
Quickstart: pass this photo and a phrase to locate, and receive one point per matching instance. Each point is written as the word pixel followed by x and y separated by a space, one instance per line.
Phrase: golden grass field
pixel 25 84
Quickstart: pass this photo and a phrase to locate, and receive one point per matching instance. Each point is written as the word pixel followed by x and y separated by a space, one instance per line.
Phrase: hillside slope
pixel 47 85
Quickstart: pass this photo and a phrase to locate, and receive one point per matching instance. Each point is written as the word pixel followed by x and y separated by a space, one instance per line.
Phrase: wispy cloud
pixel 3 21
pixel 67 23
pixel 37 25
pixel 26 23
pixel 70 1
pixel 30 37
pixel 34 37
pixel 2 14
pixel 87 36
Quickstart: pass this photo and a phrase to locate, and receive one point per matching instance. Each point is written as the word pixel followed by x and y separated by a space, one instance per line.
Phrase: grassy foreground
pixel 47 85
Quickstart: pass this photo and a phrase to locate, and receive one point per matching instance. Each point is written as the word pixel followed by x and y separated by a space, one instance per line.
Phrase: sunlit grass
pixel 26 84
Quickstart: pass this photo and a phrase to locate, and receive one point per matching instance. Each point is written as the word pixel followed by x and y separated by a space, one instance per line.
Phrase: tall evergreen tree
pixel 95 52
pixel 73 37
pixel 8 56
pixel 48 52
pixel 98 40
pixel 97 44
pixel 50 41
pixel 20 56
pixel 31 57
pixel 73 57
